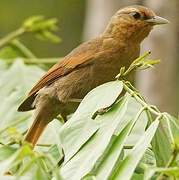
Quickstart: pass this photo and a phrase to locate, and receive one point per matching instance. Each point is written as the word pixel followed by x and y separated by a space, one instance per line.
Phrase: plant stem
pixel 134 65
pixel 20 47
pixel 170 162
pixel 42 60
pixel 44 145
pixel 11 36
pixel 159 116
pixel 36 60
pixel 169 129
pixel 138 99
pixel 137 117
pixel 128 147
pixel 15 122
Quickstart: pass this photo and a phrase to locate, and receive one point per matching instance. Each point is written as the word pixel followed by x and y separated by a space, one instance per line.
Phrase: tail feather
pixel 36 130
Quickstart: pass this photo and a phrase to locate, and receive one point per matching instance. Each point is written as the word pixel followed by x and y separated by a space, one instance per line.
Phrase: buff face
pixel 135 22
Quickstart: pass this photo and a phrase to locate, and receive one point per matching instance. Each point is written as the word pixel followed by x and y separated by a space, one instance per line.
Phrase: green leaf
pixel 32 20
pixel 128 165
pixel 27 164
pixel 150 171
pixel 34 168
pixel 132 109
pixel 6 151
pixel 8 52
pixel 106 167
pixel 23 151
pixel 21 49
pixel 21 79
pixel 83 162
pixel 54 152
pixel 173 171
pixel 149 158
pixel 160 145
pixel 38 23
pixel 15 159
pixel 136 176
pixel 7 177
pixel 89 177
pixel 76 131
pixel 140 59
pixel 161 148
pixel 48 36
pixel 3 67
pixel 173 124
pixel 42 28
pixel 86 158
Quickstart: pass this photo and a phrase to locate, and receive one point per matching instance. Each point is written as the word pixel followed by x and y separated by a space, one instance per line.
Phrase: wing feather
pixel 62 68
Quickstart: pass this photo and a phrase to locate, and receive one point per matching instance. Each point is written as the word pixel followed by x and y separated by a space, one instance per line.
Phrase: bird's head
pixel 133 23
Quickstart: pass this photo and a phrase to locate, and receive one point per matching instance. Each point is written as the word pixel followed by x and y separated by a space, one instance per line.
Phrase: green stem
pixel 20 47
pixel 15 122
pixel 42 60
pixel 44 145
pixel 137 117
pixel 37 60
pixel 138 99
pixel 128 147
pixel 159 116
pixel 134 65
pixel 170 162
pixel 169 129
pixel 11 36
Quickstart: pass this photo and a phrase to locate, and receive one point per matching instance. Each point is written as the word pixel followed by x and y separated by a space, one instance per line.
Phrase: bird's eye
pixel 136 15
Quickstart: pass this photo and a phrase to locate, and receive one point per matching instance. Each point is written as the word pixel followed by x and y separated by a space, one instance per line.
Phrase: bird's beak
pixel 156 20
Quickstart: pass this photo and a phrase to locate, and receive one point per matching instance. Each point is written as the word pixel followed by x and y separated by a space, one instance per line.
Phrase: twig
pixel 104 110
pixel 15 123
pixel 21 47
pixel 171 160
pixel 128 147
pixel 139 100
pixel 134 65
pixel 44 145
pixel 36 60
pixel 11 36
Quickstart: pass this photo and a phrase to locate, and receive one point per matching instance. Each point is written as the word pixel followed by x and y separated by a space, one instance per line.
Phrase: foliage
pixel 108 137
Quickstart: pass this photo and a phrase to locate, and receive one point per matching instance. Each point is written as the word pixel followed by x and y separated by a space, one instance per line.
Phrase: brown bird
pixel 89 65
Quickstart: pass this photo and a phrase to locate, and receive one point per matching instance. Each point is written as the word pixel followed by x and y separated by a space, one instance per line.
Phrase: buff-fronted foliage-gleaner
pixel 91 64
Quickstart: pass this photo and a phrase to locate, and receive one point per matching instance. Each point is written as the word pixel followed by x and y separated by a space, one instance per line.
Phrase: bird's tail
pixel 36 129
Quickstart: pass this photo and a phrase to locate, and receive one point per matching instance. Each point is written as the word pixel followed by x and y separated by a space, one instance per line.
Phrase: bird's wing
pixel 62 68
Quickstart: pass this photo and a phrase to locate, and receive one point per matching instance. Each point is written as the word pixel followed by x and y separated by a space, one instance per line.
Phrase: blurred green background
pixel 70 15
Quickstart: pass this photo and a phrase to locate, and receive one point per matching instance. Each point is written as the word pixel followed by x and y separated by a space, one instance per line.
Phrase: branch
pixel 37 25
pixel 11 36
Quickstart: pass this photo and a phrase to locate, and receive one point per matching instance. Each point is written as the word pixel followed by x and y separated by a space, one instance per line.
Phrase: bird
pixel 89 65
